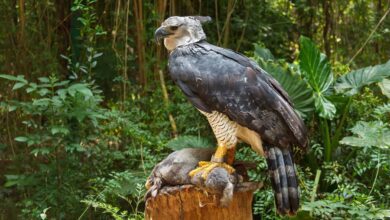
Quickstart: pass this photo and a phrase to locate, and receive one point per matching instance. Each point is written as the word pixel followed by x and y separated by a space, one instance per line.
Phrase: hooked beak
pixel 160 34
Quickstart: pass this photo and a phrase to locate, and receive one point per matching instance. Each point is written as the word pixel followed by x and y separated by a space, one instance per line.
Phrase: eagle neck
pixel 187 49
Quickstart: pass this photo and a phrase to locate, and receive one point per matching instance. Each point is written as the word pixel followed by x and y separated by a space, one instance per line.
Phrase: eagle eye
pixel 174 28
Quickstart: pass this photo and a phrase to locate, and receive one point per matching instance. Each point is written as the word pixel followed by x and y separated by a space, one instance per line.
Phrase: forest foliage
pixel 87 107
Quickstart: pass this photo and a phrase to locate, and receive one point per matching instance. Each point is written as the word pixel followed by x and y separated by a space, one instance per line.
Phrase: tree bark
pixel 190 202
pixel 226 27
pixel 140 41
pixel 378 18
pixel 328 26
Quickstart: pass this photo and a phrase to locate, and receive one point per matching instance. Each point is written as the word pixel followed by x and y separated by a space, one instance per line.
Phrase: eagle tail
pixel 283 179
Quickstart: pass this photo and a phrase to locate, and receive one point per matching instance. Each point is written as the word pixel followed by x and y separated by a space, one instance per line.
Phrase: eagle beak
pixel 160 34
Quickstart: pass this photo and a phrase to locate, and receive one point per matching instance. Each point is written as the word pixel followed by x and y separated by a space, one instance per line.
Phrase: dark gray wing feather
pixel 194 99
pixel 218 79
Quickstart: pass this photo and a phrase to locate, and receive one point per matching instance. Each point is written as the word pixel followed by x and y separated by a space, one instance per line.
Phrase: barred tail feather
pixel 293 191
pixel 283 180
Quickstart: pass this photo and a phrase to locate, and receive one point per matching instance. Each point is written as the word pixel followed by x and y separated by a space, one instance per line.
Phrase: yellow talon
pixel 195 171
pixel 207 166
pixel 228 168
pixel 203 163
pixel 208 169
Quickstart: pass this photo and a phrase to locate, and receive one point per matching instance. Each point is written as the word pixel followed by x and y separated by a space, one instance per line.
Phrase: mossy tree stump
pixel 190 202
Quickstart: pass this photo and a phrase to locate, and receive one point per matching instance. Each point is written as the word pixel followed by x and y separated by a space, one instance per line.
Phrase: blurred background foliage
pixel 87 108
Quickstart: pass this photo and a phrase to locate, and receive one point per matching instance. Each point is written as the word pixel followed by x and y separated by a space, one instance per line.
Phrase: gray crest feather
pixel 203 19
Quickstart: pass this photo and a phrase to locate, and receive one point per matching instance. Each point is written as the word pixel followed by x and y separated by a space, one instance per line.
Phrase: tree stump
pixel 190 202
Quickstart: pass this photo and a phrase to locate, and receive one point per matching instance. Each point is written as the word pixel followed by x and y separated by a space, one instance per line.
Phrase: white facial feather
pixel 189 31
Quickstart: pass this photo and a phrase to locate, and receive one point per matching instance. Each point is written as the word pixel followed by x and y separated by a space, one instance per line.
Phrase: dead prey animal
pixel 174 169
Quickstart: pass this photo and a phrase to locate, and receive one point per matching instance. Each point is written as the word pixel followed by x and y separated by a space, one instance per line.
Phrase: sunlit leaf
pixel 97 55
pixel 30 89
pixel 59 130
pixel 316 69
pixel 44 79
pixel 21 139
pixel 385 87
pixel 19 78
pixel 18 85
pixel 383 109
pixel 351 82
pixel 81 88
pixel 369 134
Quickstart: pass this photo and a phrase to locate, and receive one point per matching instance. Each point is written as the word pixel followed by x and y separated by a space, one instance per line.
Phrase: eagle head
pixel 177 31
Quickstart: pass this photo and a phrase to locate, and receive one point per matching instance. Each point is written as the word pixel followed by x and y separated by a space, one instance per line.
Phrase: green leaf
pixel 12 108
pixel 97 55
pixel 9 77
pixel 382 109
pixel 314 66
pixel 43 91
pixel 20 180
pixel 62 83
pixel 12 180
pixel 30 89
pixel 186 141
pixel 81 88
pixel 369 134
pixel 352 82
pixel 59 130
pixel 21 139
pixel 74 148
pixel 44 79
pixel 385 87
pixel 19 78
pixel 18 85
pixel 263 53
pixel 42 151
pixel 326 108
pixel 44 102
pixel 62 93
pixel 86 92
pixel 316 69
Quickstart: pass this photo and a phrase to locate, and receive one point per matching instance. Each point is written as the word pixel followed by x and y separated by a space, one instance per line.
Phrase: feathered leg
pixel 225 132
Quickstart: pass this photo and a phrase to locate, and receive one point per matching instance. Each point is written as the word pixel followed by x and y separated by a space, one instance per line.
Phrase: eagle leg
pixel 205 167
pixel 230 155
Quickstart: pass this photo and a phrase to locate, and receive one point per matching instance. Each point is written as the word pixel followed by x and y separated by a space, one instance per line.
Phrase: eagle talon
pixel 205 167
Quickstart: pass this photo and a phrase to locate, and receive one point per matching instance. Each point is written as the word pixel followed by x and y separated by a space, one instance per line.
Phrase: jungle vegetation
pixel 87 107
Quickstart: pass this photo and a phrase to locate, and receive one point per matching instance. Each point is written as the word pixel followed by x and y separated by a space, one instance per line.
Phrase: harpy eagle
pixel 241 102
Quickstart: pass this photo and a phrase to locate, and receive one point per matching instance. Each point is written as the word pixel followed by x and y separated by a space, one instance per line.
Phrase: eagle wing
pixel 218 79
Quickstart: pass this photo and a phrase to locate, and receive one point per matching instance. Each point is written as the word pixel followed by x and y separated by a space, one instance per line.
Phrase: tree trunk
pixel 191 202
pixel 140 41
pixel 378 18
pixel 229 12
pixel 328 26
